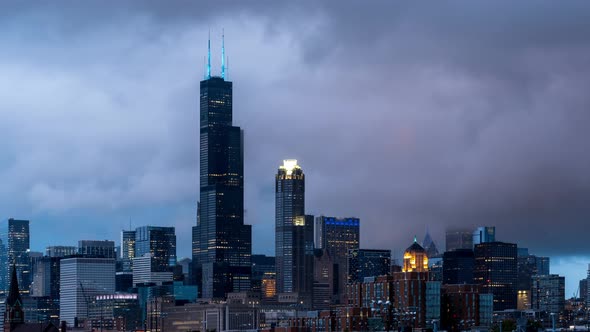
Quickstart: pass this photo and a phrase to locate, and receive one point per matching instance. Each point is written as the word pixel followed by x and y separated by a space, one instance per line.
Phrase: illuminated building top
pixel 415 258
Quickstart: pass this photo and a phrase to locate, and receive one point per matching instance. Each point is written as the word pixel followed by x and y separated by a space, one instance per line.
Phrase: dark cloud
pixel 406 115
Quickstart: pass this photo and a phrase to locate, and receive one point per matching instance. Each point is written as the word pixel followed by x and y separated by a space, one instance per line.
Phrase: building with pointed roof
pixel 429 246
pixel 415 258
pixel 14 317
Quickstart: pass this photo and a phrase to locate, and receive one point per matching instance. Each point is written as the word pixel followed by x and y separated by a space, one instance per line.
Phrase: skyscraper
pixel 127 249
pixel 496 271
pixel 548 293
pixel 294 232
pixel 338 236
pixel 94 248
pixel 82 278
pixel 160 243
pixel 222 243
pixel 14 249
pixel 484 234
pixel 458 267
pixel 459 238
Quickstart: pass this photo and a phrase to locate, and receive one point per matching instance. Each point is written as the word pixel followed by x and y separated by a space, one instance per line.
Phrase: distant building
pixel 415 258
pixel 262 266
pixel 338 236
pixel 61 251
pixel 529 266
pixel 324 272
pixel 364 263
pixel 458 267
pixel 14 250
pixel 459 238
pixel 127 250
pixel 94 248
pixel 294 232
pixel 429 245
pixel 484 234
pixel 584 290
pixel 146 271
pixel 548 293
pixel 160 243
pixel 82 278
pixel 496 271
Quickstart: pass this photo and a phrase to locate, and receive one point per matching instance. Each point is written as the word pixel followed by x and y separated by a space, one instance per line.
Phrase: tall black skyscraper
pixel 496 270
pixel 294 233
pixel 222 244
pixel 14 250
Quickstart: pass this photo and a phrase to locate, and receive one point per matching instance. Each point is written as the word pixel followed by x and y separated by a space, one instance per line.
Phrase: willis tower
pixel 222 244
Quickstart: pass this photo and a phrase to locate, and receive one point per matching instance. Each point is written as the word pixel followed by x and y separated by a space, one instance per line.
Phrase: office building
pixel 160 243
pixel 583 290
pixel 496 271
pixel 14 250
pixel 262 266
pixel 81 279
pixel 324 277
pixel 415 259
pixel 464 307
pixel 338 236
pixel 222 243
pixel 458 266
pixel 364 263
pixel 61 251
pixel 548 293
pixel 528 266
pixel 459 238
pixel 294 232
pixel 145 271
pixel 127 250
pixel 94 248
pixel 484 234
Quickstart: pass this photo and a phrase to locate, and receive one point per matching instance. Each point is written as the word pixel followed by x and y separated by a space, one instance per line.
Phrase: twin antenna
pixel 224 66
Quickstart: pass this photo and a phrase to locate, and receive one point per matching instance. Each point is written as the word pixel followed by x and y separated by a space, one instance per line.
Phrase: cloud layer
pixel 406 116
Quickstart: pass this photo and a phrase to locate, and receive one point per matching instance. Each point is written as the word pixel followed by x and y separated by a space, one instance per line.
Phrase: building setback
pixel 294 232
pixel 338 236
pixel 222 243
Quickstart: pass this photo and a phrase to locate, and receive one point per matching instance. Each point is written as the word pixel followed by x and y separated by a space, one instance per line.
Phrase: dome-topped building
pixel 415 258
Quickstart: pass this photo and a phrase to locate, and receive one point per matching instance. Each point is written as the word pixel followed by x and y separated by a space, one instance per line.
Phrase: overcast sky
pixel 406 115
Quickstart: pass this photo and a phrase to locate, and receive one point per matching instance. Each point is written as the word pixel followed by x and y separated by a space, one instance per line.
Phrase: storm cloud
pixel 405 115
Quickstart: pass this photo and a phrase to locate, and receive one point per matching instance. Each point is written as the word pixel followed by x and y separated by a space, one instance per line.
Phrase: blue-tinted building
pixel 160 242
pixel 14 249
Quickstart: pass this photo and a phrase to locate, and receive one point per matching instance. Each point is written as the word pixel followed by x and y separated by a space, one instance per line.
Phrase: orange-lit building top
pixel 415 258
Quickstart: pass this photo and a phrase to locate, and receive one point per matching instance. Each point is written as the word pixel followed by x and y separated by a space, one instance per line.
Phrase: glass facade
pixel 222 243
pixel 127 249
pixel 458 267
pixel 496 271
pixel 294 232
pixel 338 236
pixel 95 248
pixel 14 249
pixel 364 263
pixel 160 243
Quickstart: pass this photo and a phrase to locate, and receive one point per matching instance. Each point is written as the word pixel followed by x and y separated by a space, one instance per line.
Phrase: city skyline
pixel 97 132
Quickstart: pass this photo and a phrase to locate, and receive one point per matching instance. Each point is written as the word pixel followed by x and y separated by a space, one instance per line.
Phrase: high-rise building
pixel 458 267
pixel 94 248
pixel 81 279
pixel 262 266
pixel 324 272
pixel 364 263
pixel 14 250
pixel 415 259
pixel 429 245
pixel 484 234
pixel 529 266
pixel 160 243
pixel 584 290
pixel 294 232
pixel 145 271
pixel 127 249
pixel 222 243
pixel 459 238
pixel 496 271
pixel 548 293
pixel 61 251
pixel 338 236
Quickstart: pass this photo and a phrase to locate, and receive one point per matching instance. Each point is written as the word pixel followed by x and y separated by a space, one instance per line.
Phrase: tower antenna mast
pixel 222 54
pixel 209 56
